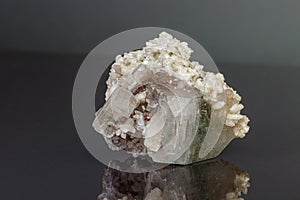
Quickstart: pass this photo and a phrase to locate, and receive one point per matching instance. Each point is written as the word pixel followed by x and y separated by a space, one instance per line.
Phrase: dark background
pixel 239 31
pixel 256 44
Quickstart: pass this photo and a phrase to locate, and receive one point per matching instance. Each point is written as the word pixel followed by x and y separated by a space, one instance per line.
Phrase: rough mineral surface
pixel 161 104
pixel 211 180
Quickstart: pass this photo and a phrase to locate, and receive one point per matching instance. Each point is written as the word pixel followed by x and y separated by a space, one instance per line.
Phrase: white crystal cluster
pixel 161 104
pixel 168 54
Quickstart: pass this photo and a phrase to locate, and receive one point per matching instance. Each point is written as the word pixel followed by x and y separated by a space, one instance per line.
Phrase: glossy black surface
pixel 43 158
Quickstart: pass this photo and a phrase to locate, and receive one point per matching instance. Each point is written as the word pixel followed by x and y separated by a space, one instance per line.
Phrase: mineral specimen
pixel 161 104
pixel 209 180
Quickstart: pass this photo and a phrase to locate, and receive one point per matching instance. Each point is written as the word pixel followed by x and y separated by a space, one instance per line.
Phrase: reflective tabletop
pixel 42 156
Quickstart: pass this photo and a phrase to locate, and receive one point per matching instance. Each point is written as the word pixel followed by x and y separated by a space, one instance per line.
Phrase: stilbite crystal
pixel 161 104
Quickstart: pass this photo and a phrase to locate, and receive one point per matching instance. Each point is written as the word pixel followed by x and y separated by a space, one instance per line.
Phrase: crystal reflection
pixel 209 180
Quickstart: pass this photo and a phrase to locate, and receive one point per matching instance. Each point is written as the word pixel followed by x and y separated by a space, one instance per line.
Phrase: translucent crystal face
pixel 151 113
pixel 163 105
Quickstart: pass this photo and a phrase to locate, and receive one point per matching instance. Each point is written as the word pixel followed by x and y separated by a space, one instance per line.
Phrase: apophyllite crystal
pixel 161 104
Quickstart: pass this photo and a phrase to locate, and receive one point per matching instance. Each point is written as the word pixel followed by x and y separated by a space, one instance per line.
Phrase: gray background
pixel 42 44
pixel 264 32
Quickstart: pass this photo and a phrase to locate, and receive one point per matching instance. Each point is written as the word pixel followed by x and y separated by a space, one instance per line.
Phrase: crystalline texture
pixel 122 103
pixel 160 103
